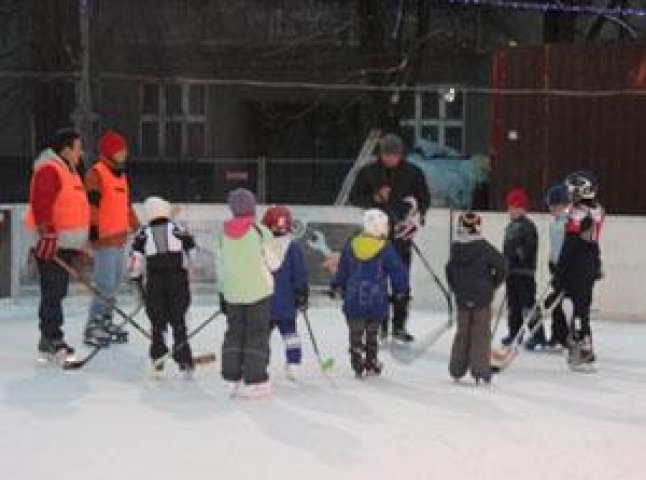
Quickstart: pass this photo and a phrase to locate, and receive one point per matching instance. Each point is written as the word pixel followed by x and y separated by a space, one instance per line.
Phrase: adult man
pixel 59 216
pixel 398 188
pixel 111 219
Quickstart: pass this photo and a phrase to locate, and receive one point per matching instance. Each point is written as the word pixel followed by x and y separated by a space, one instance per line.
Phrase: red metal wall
pixel 560 132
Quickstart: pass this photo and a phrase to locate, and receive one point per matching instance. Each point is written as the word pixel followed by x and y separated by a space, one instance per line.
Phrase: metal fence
pixel 306 181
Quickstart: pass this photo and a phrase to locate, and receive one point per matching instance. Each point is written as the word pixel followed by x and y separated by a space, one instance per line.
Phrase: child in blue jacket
pixel 291 290
pixel 367 264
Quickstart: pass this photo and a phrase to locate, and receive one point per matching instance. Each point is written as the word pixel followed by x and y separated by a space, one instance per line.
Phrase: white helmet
pixel 156 207
pixel 375 223
pixel 582 185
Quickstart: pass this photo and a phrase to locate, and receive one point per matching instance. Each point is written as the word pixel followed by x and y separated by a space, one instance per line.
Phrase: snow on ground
pixel 109 421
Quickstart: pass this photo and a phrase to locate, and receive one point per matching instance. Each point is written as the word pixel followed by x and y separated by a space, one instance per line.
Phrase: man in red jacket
pixel 111 219
pixel 58 215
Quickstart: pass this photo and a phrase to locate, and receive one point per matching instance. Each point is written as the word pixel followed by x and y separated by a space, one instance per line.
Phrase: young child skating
pixel 474 272
pixel 579 265
pixel 520 250
pixel 368 262
pixel 246 259
pixel 291 289
pixel 159 260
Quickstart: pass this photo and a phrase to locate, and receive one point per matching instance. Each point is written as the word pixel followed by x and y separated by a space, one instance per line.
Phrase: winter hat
pixel 156 207
pixel 391 143
pixel 242 203
pixel 557 195
pixel 375 223
pixel 278 219
pixel 517 198
pixel 111 142
pixel 470 223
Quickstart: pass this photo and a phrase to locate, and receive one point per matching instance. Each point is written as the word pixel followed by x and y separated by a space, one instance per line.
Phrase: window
pixel 434 114
pixel 173 120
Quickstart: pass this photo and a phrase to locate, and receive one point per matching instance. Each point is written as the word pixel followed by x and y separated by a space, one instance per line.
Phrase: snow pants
pixel 245 351
pixel 521 297
pixel 472 344
pixel 364 337
pixel 287 329
pixel 167 300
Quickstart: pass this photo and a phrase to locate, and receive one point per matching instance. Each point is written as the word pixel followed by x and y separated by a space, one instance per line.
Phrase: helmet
pixel 156 207
pixel 469 223
pixel 582 185
pixel 557 194
pixel 375 223
pixel 278 219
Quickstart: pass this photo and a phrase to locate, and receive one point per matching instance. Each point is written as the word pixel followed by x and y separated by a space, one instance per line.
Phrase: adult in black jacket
pixel 399 189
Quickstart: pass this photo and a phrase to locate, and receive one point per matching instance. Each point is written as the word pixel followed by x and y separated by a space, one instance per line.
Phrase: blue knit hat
pixel 557 195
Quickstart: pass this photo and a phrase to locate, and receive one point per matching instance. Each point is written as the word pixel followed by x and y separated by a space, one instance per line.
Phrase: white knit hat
pixel 375 223
pixel 156 207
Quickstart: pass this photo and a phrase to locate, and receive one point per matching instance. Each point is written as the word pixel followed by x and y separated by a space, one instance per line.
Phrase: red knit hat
pixel 111 142
pixel 517 198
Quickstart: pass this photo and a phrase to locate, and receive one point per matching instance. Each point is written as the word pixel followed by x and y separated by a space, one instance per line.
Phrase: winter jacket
pixel 405 180
pixel 290 278
pixel 365 267
pixel 161 248
pixel 557 236
pixel 521 247
pixel 580 258
pixel 474 272
pixel 246 257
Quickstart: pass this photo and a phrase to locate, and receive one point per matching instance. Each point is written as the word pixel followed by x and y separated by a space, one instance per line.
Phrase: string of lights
pixel 549 7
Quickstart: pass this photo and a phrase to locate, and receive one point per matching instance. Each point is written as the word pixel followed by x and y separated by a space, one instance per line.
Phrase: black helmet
pixel 582 185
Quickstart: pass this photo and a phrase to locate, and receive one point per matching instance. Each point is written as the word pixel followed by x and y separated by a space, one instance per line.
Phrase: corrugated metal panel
pixel 559 134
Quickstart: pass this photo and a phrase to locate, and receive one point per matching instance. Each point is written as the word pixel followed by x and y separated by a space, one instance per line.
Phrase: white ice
pixel 108 421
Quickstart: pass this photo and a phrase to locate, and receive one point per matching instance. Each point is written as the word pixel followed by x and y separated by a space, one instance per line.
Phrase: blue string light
pixel 554 7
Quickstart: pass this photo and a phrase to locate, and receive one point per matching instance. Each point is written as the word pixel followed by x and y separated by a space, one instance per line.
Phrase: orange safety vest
pixel 71 210
pixel 114 209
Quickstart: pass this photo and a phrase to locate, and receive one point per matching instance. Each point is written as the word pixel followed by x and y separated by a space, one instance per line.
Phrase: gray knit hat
pixel 391 143
pixel 242 203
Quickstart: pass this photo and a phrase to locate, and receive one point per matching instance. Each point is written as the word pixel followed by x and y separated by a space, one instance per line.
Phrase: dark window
pixel 150 139
pixel 173 140
pixel 150 99
pixel 196 138
pixel 174 99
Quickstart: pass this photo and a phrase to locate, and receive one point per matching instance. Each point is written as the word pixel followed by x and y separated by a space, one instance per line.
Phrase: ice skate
pixel 118 334
pixel 373 368
pixel 95 334
pixel 402 337
pixel 54 351
pixel 255 390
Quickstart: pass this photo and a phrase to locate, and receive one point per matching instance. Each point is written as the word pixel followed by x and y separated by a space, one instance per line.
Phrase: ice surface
pixel 108 421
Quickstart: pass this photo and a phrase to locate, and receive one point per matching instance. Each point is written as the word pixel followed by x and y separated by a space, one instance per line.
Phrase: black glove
pixel 557 284
pixel 334 293
pixel 301 298
pixel 223 304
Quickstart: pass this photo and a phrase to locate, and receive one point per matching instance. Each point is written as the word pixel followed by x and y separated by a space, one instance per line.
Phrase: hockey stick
pixel 513 350
pixel 325 364
pixel 78 364
pixel 206 358
pixel 126 318
pixel 501 309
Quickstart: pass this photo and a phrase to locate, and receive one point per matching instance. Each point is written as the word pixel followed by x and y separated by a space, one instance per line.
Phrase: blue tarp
pixel 452 177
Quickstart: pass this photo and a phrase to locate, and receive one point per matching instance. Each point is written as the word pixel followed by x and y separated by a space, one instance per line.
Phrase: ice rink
pixel 111 421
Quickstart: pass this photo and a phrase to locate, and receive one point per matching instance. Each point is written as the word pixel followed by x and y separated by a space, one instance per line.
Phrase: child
pixel 520 250
pixel 162 250
pixel 579 265
pixel 474 272
pixel 246 259
pixel 291 289
pixel 558 201
pixel 367 262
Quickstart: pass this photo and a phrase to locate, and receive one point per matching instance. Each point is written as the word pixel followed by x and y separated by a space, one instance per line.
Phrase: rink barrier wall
pixel 620 296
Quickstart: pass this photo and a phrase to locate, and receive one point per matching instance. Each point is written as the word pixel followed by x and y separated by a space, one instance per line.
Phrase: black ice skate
pixel 373 368
pixel 54 350
pixel 118 334
pixel 403 337
pixel 95 334
pixel 356 361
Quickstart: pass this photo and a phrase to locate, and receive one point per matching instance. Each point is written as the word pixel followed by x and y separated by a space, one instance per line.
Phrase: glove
pixel 223 304
pixel 402 297
pixel 301 298
pixel 47 245
pixel 557 284
pixel 94 233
